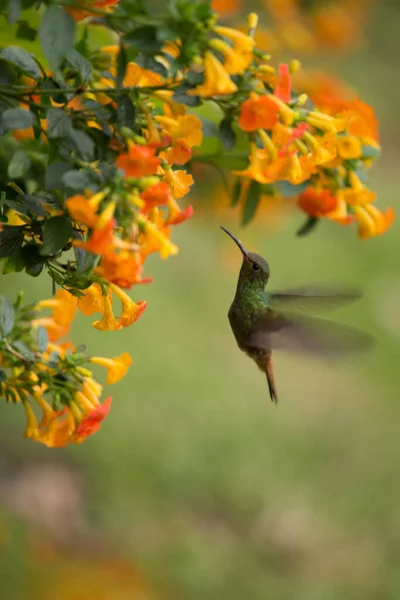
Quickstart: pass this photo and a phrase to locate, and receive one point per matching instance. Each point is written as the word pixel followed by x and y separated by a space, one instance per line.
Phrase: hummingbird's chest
pixel 243 316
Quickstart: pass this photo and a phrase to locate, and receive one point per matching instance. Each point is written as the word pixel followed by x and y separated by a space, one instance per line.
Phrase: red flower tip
pixel 92 422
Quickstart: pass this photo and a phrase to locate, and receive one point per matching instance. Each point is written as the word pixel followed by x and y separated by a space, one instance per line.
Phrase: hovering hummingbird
pixel 263 321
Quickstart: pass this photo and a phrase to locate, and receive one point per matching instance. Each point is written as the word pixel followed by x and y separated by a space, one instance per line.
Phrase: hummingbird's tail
pixel 270 378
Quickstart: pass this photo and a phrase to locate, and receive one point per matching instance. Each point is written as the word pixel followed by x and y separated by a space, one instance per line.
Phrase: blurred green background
pixel 195 479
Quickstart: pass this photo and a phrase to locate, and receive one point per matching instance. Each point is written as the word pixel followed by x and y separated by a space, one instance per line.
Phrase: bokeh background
pixel 197 486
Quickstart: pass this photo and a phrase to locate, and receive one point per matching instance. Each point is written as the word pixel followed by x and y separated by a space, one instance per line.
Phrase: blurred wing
pixel 313 299
pixel 306 334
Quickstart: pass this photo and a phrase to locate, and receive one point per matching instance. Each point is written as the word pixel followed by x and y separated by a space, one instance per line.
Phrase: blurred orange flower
pixel 138 161
pixel 258 112
pixel 81 13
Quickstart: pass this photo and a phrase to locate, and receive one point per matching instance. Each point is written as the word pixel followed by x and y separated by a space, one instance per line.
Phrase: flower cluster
pixel 45 374
pixel 100 147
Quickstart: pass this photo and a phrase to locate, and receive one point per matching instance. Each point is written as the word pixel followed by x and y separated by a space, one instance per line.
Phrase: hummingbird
pixel 264 321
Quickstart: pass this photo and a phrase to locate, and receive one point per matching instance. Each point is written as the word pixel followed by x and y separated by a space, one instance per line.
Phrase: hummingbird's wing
pixel 276 331
pixel 312 299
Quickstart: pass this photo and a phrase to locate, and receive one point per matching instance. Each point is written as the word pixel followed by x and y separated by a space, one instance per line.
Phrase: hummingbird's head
pixel 254 267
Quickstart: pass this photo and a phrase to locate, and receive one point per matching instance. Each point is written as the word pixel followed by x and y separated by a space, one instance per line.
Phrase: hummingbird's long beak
pixel 238 242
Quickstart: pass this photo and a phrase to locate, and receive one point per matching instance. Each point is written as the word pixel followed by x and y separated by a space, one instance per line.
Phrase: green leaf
pixel 80 63
pixel 19 165
pixel 182 97
pixel 54 174
pixel 83 144
pixel 82 46
pixel 56 233
pixel 34 204
pixel 6 316
pixel 144 39
pixel 152 64
pixel 76 180
pixel 3 375
pixel 122 62
pixel 126 112
pixel 24 350
pixel 52 85
pixel 228 136
pixel 11 239
pixel 25 32
pixel 42 338
pixel 56 34
pixel 370 151
pixel 14 10
pixel 17 118
pixel 21 59
pixel 288 190
pixel 33 262
pixel 251 203
pixel 58 123
pixel 13 264
pixel 308 226
pixel 236 192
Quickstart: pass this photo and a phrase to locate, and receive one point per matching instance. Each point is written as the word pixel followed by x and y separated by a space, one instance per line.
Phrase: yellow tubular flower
pixel 31 430
pixel 371 221
pixel 94 385
pixel 85 403
pixel 357 194
pixel 108 322
pixel 106 214
pixel 240 56
pixel 154 239
pixel 92 301
pixel 287 115
pixel 268 144
pixel 348 147
pixel 178 181
pixel 233 62
pixel 63 305
pixel 116 367
pixel 95 200
pixel 216 79
pixel 252 20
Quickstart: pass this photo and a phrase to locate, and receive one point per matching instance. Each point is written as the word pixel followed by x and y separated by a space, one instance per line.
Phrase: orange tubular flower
pixel 81 210
pixel 138 161
pixel 283 86
pixel 116 367
pixel 74 423
pixel 131 310
pixel 92 422
pixel 176 215
pixel 317 203
pixel 100 241
pixel 321 203
pixel 185 132
pixel 80 13
pixel 124 269
pixel 258 112
pixel 216 79
pixel 156 195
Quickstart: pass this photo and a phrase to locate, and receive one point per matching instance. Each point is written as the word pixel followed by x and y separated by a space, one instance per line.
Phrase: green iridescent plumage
pixel 263 321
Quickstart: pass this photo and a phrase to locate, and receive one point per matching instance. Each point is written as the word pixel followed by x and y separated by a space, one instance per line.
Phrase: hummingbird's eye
pixel 255 267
